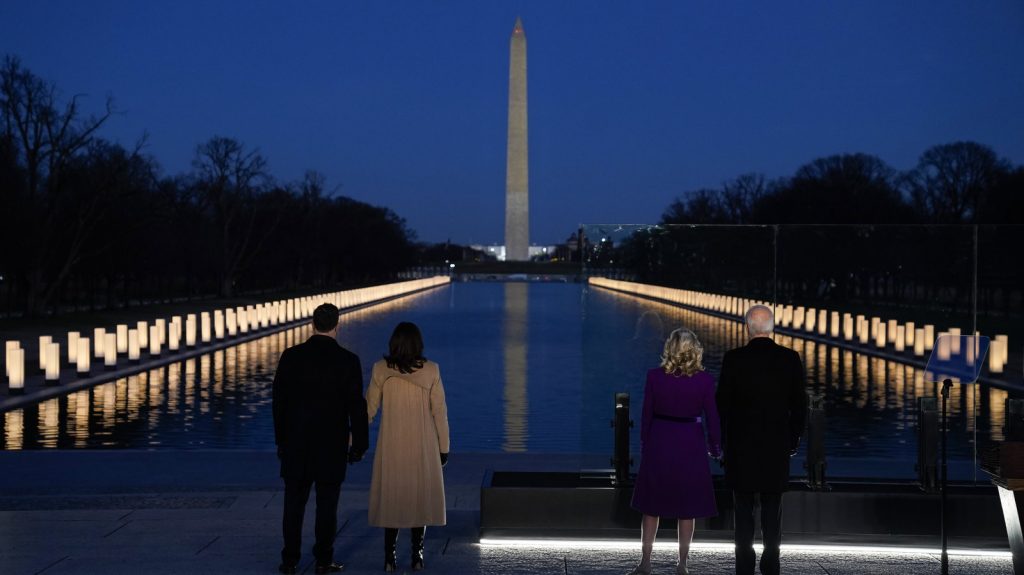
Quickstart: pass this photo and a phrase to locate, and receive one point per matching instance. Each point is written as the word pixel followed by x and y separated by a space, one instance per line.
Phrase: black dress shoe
pixel 329 568
pixel 287 569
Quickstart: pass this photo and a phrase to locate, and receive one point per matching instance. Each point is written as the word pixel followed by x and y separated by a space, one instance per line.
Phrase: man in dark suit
pixel 763 407
pixel 318 402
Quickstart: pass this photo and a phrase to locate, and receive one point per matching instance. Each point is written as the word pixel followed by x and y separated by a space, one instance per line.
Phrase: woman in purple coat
pixel 674 479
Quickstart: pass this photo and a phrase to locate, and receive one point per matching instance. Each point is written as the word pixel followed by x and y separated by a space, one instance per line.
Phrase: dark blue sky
pixel 403 104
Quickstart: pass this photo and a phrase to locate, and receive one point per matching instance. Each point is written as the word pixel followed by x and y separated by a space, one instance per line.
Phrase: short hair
pixel 763 325
pixel 683 353
pixel 325 317
pixel 405 348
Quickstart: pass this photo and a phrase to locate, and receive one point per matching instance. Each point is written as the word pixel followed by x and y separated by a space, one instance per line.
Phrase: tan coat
pixel 408 487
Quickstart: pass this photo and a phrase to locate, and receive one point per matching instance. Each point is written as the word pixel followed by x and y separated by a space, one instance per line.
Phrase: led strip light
pixel 723 546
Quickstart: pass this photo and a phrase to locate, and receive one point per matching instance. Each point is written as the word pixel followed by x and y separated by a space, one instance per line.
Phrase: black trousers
pixel 296 494
pixel 771 531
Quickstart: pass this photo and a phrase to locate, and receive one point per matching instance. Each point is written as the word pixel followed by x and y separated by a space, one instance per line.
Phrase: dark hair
pixel 405 349
pixel 325 317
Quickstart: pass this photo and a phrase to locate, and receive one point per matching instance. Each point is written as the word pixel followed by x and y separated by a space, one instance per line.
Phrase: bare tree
pixel 741 194
pixel 47 137
pixel 952 181
pixel 228 180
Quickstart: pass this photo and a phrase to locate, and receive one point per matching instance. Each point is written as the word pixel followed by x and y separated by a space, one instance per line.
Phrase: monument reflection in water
pixel 527 367
pixel 515 332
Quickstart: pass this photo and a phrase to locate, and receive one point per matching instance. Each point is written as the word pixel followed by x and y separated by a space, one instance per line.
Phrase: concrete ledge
pixel 566 505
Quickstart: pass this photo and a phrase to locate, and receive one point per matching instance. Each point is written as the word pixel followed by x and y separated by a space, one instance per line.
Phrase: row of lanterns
pixel 902 336
pixel 206 327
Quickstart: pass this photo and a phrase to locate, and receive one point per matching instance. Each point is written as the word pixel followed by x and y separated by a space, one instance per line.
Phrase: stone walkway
pixel 127 512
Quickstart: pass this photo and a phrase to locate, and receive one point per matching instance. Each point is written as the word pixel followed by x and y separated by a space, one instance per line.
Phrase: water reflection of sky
pixel 527 367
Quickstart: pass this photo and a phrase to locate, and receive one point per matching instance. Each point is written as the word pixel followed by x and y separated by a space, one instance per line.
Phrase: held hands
pixel 444 459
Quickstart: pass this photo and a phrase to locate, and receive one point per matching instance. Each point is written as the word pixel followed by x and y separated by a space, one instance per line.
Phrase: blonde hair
pixel 683 353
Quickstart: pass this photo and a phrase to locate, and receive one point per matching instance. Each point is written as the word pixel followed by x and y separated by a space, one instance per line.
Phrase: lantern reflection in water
pixel 14 429
pixel 156 397
pixel 78 420
pixel 173 387
pixel 218 373
pixel 49 422
pixel 190 383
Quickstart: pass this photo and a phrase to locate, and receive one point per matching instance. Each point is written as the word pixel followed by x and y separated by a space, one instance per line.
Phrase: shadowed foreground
pixel 116 512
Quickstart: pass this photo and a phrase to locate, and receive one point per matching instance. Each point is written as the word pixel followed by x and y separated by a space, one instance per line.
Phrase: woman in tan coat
pixel 407 489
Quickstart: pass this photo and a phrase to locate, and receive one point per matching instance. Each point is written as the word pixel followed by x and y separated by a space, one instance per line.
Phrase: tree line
pixel 848 230
pixel 89 223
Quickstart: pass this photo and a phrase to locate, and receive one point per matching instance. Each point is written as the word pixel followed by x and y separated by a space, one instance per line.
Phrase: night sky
pixel 403 104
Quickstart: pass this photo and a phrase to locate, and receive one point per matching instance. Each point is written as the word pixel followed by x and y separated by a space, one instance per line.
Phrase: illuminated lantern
pixel 929 336
pixel 899 342
pixel 143 330
pixel 919 341
pixel 16 371
pixel 218 323
pixel 53 363
pixel 880 336
pixel 173 336
pixel 944 350
pixel 254 320
pixel 110 350
pixel 122 338
pixel 206 331
pixel 229 322
pixel 9 347
pixel 99 338
pixel 161 329
pixel 955 340
pixel 73 346
pixel 190 330
pixel 154 340
pixel 911 331
pixel 134 352
pixel 84 358
pixel 1004 349
pixel 44 342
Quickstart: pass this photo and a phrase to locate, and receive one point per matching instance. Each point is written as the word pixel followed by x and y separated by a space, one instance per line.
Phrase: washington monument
pixel 517 195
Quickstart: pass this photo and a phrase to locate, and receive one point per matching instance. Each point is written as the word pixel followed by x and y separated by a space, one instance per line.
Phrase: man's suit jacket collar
pixel 761 342
pixel 320 339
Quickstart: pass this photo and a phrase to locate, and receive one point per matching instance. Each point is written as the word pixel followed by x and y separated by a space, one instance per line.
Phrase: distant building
pixel 498 251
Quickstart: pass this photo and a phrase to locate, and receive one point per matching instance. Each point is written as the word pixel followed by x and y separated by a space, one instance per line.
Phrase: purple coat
pixel 674 479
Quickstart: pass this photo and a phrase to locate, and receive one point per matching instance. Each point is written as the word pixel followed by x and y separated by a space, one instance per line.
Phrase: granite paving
pixel 68 512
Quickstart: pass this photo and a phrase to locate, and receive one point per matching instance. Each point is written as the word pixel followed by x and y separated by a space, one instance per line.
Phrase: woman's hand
pixel 444 459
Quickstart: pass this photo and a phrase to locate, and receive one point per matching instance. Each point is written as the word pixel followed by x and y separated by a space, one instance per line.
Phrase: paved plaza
pixel 127 512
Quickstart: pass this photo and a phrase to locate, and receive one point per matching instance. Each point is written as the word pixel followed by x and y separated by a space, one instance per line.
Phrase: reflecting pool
pixel 527 367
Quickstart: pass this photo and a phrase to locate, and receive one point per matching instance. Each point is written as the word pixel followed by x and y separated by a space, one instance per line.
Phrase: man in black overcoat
pixel 318 402
pixel 763 408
